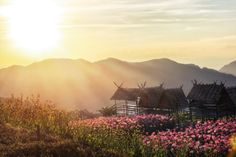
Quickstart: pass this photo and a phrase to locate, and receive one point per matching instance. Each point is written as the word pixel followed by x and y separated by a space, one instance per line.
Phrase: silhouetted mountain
pixel 82 84
pixel 229 69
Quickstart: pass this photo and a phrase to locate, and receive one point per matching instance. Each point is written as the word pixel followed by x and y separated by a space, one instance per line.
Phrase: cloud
pixel 221 38
pixel 107 25
pixel 146 13
pixel 128 5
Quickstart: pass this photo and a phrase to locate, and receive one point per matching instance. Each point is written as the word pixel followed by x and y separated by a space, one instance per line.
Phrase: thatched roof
pixel 232 94
pixel 207 93
pixel 173 98
pixel 152 96
pixel 129 94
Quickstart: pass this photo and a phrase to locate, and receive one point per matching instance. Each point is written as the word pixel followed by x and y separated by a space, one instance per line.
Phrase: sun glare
pixel 33 25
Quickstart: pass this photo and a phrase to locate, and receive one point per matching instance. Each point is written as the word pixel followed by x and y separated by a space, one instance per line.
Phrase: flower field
pixel 132 136
pixel 204 139
pixel 40 129
pixel 144 123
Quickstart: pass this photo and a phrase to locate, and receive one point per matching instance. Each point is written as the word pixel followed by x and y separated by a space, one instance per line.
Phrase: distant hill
pixel 82 84
pixel 230 68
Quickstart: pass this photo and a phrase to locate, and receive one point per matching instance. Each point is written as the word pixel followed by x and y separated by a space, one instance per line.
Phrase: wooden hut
pixel 173 101
pixel 149 98
pixel 210 101
pixel 232 94
pixel 126 100
pixel 143 100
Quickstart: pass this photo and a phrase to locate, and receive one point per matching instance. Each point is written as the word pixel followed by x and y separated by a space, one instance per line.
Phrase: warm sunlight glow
pixel 33 25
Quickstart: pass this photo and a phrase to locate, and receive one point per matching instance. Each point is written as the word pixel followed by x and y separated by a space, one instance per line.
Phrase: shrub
pixel 108 111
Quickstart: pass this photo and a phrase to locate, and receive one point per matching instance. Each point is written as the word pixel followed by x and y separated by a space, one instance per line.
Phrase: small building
pixel 129 101
pixel 173 100
pixel 149 98
pixel 232 94
pixel 126 100
pixel 210 101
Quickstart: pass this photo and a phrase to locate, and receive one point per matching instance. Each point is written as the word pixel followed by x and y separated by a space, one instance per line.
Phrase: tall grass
pixel 35 115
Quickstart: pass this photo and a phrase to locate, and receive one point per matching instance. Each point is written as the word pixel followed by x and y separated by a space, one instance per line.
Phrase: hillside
pixel 229 68
pixel 82 84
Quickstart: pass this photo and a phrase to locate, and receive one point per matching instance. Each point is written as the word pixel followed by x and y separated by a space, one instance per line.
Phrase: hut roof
pixel 174 96
pixel 129 94
pixel 208 93
pixel 153 94
pixel 232 94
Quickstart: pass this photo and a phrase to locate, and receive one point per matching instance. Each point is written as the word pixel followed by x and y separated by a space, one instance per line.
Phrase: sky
pixel 202 32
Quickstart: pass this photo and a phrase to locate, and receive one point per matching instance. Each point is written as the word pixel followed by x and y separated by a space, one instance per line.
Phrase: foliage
pixel 82 114
pixel 108 111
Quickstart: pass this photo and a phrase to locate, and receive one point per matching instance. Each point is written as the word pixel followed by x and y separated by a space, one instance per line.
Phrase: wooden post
pixel 137 112
pixel 190 111
pixel 126 107
pixel 217 112
pixel 191 114
pixel 116 107
pixel 202 113
pixel 177 110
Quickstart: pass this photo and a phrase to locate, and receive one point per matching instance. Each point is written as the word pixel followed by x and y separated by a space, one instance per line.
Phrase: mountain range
pixel 79 84
pixel 229 69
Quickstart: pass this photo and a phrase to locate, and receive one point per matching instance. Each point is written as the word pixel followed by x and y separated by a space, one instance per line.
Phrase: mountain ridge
pixel 78 83
pixel 229 68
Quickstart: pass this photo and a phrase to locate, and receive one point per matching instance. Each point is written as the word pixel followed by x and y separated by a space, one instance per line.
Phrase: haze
pixel 202 32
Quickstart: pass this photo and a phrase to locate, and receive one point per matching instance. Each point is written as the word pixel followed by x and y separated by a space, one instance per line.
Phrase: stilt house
pixel 144 100
pixel 232 94
pixel 173 101
pixel 126 100
pixel 210 101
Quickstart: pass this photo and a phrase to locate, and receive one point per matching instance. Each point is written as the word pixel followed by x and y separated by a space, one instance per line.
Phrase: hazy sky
pixel 189 31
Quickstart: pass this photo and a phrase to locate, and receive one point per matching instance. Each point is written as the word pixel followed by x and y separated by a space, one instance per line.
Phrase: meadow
pixel 30 127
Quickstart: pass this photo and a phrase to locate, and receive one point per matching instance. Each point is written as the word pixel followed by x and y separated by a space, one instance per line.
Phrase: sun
pixel 33 25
